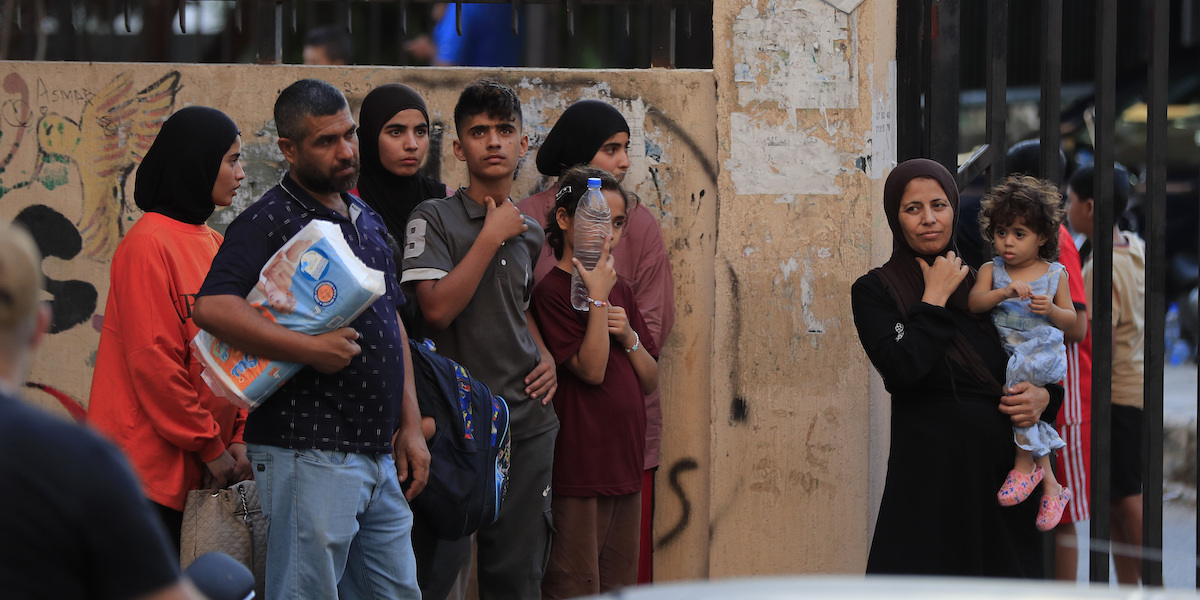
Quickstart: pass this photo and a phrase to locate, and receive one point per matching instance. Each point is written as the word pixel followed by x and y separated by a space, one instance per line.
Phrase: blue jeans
pixel 339 526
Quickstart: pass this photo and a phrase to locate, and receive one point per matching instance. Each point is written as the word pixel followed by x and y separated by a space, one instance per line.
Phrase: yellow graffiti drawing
pixel 114 131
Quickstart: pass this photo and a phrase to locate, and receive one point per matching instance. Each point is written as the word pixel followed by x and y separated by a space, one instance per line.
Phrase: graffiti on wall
pixel 97 145
pixel 66 156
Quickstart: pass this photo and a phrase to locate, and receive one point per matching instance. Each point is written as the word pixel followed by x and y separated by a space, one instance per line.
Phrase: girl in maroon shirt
pixel 606 362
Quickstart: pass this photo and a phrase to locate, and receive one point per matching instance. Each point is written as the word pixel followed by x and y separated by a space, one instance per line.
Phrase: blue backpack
pixel 468 473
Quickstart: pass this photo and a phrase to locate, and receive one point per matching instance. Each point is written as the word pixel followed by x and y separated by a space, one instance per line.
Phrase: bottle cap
pixel 593 182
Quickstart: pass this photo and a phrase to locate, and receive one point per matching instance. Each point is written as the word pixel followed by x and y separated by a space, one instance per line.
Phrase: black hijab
pixel 392 196
pixel 177 175
pixel 902 276
pixel 578 135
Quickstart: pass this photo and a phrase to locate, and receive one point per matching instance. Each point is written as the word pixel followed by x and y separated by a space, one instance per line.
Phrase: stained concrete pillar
pixel 805 126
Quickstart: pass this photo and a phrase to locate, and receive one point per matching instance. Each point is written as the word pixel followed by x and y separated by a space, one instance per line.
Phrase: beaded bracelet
pixel 600 303
pixel 637 343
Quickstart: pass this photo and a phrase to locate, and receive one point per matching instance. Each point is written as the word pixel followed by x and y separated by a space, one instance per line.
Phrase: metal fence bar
pixel 1102 246
pixel 1050 109
pixel 662 28
pixel 941 89
pixel 268 23
pixel 1050 138
pixel 997 90
pixel 1156 281
pixel 911 58
pixel 1051 97
pixel 979 161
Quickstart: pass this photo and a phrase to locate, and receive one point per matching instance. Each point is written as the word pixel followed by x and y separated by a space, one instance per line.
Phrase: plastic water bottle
pixel 593 223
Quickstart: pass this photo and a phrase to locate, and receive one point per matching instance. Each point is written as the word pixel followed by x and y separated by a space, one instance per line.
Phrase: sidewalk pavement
pixel 1179 489
pixel 1179 430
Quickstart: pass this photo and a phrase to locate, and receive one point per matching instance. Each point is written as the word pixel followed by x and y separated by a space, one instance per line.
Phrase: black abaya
pixel 951 447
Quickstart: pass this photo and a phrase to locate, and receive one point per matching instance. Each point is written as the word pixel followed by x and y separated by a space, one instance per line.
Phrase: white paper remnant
pixel 796 53
pixel 846 6
pixel 883 125
pixel 780 159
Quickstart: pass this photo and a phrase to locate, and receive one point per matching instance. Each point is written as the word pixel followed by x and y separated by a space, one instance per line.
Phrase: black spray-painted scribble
pixel 685 505
pixel 72 302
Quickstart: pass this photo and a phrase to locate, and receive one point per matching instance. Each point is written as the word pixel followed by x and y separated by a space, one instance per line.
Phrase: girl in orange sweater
pixel 147 394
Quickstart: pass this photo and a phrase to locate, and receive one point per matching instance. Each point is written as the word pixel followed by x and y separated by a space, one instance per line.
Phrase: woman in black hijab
pixel 147 393
pixel 951 433
pixel 393 141
pixel 177 175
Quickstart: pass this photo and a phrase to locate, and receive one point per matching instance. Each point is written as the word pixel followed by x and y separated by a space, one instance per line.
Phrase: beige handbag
pixel 230 521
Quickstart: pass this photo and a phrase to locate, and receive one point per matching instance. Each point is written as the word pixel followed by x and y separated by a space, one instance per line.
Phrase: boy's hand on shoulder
pixel 542 381
pixel 504 221
pixel 331 352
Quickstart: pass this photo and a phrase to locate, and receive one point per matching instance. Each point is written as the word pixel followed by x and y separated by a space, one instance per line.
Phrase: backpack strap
pixel 495 417
pixel 464 401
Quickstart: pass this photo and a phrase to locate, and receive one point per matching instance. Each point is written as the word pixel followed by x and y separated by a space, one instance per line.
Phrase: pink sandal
pixel 1052 509
pixel 1018 486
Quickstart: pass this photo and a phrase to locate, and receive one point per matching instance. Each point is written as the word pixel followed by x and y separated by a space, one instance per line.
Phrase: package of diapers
pixel 314 284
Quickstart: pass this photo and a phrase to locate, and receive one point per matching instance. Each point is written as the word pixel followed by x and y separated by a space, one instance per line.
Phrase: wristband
pixel 599 303
pixel 637 343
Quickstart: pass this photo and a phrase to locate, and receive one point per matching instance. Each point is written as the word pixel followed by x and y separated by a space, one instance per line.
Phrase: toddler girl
pixel 1031 305
pixel 606 362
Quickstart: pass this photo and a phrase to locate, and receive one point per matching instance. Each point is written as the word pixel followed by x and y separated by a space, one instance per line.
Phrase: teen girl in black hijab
pixel 386 188
pixel 951 429
pixel 392 196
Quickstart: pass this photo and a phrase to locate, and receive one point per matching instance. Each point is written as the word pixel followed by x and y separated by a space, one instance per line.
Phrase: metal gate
pixel 638 33
pixel 929 40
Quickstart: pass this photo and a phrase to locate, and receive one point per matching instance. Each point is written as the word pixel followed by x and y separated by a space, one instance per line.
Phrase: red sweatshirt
pixel 147 394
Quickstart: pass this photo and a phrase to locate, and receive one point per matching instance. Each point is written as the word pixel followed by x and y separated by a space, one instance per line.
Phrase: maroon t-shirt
pixel 602 431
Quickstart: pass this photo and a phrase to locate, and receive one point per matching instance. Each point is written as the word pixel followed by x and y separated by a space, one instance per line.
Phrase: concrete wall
pixel 764 173
pixel 806 119
pixel 72 135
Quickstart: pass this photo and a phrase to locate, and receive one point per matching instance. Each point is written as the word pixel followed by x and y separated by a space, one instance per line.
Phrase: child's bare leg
pixel 1066 555
pixel 1125 522
pixel 1024 461
pixel 1051 487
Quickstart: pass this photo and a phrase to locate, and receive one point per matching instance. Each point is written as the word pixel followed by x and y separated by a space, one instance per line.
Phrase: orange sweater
pixel 147 394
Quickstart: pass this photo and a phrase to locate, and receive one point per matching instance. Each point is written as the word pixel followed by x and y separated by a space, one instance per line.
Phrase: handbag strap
pixel 254 547
pixel 245 507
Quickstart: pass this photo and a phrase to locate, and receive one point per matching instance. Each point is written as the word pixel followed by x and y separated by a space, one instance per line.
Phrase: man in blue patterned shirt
pixel 331 447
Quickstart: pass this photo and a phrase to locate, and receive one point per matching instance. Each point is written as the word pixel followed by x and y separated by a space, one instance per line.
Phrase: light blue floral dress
pixel 1035 348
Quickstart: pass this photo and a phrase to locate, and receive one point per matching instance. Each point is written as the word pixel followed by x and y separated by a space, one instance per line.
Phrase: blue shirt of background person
pixel 487 38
